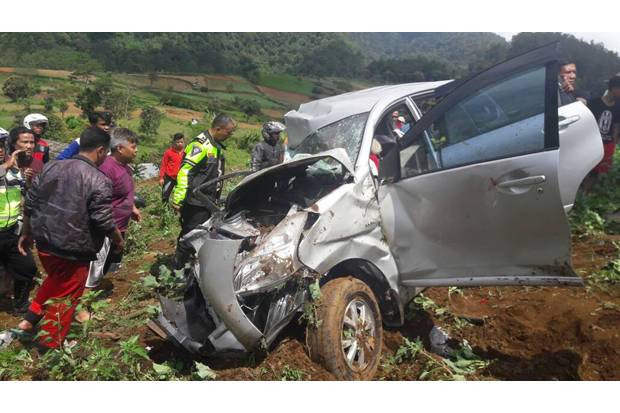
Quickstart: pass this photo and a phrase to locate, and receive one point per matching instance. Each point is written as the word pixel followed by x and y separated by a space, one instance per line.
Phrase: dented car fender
pixel 348 228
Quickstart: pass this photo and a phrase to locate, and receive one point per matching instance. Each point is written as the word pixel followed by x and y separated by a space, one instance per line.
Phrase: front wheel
pixel 349 336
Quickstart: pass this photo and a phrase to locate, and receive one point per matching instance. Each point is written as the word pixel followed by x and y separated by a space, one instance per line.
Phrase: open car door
pixel 478 200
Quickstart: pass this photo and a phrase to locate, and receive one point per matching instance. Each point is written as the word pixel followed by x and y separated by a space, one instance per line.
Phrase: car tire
pixel 349 337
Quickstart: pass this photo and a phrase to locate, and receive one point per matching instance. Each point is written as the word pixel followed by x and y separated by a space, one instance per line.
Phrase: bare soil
pixel 527 333
pixel 280 95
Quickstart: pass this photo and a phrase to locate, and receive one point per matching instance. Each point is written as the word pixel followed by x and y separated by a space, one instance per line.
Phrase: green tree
pixel 63 107
pixel 150 119
pixel 87 100
pixel 249 69
pixel 56 128
pixel 49 103
pixel 120 102
pixel 248 106
pixel 16 88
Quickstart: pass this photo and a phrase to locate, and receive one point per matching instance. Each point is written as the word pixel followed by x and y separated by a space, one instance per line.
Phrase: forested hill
pixel 381 57
pixel 225 52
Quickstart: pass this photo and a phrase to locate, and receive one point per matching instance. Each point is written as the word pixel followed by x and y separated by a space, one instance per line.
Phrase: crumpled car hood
pixel 338 154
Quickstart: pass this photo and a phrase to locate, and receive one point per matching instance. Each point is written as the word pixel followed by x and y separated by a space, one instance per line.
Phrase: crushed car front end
pixel 248 282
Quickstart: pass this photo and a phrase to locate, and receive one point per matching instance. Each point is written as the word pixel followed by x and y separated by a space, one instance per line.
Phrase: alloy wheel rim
pixel 358 341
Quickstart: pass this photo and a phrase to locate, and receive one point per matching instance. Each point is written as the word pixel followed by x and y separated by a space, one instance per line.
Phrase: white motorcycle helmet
pixel 3 134
pixel 34 118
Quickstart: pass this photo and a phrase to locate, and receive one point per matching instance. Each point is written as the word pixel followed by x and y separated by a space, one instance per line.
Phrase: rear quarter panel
pixel 581 149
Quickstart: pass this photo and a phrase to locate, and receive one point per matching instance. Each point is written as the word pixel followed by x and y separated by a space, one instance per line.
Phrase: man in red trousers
pixel 68 213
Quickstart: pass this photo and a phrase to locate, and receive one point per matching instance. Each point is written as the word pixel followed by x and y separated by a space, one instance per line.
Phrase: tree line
pixel 382 57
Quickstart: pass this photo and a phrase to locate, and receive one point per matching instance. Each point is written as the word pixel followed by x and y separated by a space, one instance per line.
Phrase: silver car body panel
pixel 217 260
pixel 348 227
pixel 581 149
pixel 458 223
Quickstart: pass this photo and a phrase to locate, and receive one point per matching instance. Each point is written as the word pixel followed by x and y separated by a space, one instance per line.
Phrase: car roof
pixel 322 112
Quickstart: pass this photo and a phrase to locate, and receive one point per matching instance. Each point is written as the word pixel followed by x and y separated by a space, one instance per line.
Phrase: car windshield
pixel 346 134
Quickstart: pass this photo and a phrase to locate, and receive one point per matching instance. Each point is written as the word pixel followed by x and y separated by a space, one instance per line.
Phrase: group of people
pixel 76 208
pixel 606 111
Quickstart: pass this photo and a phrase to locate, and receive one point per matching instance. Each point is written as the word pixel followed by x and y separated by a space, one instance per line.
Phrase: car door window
pixel 394 124
pixel 502 120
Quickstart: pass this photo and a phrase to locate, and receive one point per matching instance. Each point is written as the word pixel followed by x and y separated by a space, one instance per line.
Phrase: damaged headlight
pixel 274 260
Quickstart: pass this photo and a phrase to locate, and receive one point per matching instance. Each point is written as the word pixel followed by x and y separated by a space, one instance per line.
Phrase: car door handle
pixel 566 122
pixel 528 181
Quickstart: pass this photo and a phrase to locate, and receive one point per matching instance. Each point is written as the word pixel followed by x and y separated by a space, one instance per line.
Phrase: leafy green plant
pixel 291 374
pixel 462 363
pixel 609 274
pixel 204 372
pixel 310 310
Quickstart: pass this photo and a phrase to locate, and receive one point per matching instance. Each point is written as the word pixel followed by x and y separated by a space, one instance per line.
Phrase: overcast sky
pixel 610 40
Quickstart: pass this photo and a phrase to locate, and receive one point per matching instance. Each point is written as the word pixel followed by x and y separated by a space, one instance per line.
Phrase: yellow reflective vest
pixel 11 183
pixel 203 161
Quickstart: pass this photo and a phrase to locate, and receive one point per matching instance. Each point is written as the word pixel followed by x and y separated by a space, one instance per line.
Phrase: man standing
pixel 22 140
pixel 607 114
pixel 170 165
pixel 203 161
pixel 101 120
pixel 270 151
pixel 37 124
pixel 124 148
pixel 21 267
pixel 68 212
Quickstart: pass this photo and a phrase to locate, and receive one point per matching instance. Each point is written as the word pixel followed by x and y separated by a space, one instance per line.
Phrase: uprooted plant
pixel 461 363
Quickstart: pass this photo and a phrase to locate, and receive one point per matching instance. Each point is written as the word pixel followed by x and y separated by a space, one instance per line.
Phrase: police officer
pixel 270 151
pixel 203 161
pixel 22 268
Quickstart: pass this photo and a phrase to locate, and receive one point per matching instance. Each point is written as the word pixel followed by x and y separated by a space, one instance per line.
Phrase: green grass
pixel 262 101
pixel 287 83
pixel 238 84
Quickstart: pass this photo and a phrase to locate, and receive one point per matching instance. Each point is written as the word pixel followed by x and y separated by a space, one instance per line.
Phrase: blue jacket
pixel 70 151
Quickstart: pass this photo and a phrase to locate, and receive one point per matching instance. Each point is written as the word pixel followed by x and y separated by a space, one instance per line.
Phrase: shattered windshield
pixel 346 134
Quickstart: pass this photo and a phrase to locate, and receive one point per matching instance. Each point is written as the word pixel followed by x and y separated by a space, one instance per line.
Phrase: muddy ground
pixel 526 333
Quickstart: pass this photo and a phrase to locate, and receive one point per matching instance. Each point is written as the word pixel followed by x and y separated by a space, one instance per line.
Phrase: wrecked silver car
pixel 390 190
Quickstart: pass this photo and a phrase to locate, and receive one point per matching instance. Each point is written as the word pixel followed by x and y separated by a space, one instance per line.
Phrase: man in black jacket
pixel 68 213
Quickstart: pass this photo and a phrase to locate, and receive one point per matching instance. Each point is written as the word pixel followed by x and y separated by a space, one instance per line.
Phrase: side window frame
pixel 551 135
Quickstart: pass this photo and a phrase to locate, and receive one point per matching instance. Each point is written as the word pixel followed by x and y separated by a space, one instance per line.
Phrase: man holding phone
pixel 21 140
pixel 21 267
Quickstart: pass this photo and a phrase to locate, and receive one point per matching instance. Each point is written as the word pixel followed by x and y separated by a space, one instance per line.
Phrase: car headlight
pixel 273 261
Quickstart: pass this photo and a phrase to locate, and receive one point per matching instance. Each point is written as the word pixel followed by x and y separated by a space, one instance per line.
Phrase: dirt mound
pixel 288 358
